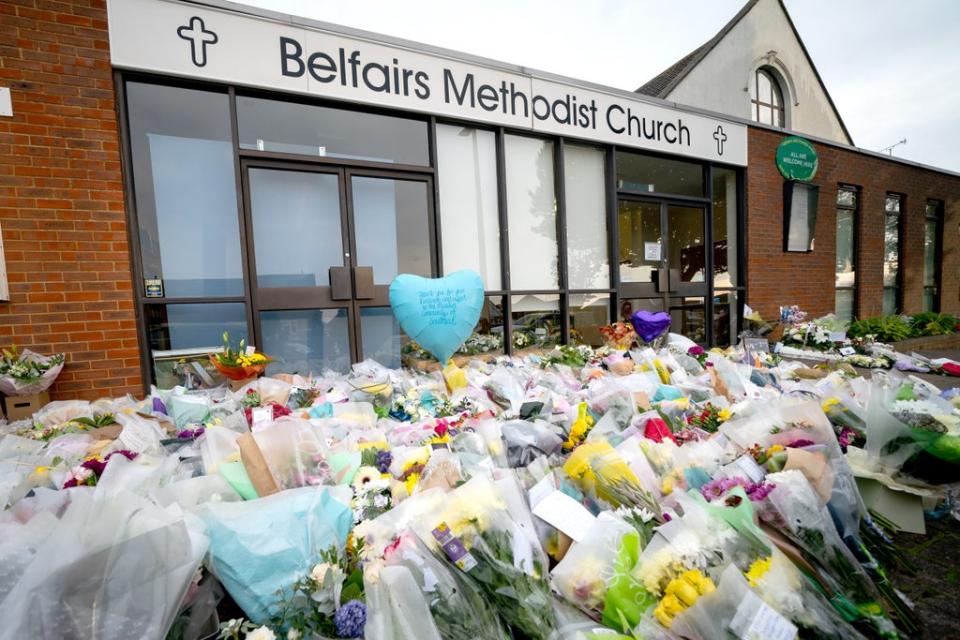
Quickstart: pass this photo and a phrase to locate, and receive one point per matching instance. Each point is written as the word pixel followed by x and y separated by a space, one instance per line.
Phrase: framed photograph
pixel 799 215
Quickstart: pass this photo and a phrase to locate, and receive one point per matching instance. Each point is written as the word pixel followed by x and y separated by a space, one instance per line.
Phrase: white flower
pixel 380 501
pixel 261 633
pixel 81 474
pixel 293 634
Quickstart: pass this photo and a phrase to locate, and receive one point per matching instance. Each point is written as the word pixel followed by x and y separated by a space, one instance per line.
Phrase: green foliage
pixel 882 328
pixel 930 323
pixel 897 328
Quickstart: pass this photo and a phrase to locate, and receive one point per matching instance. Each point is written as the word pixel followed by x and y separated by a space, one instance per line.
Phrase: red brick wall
pixel 777 278
pixel 61 198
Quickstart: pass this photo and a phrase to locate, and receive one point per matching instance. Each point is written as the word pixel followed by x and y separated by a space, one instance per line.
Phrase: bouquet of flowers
pixel 23 373
pixel 619 335
pixel 478 534
pixel 419 595
pixel 242 364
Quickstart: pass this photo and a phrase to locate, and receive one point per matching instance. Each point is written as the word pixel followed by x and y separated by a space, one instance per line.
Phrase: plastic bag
pixel 10 386
pixel 114 568
pixel 261 547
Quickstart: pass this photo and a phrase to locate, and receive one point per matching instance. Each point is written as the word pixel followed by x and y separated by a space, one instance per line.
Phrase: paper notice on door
pixel 651 251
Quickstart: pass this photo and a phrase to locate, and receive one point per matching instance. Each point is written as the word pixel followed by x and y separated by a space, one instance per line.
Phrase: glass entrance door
pixel 662 260
pixel 323 246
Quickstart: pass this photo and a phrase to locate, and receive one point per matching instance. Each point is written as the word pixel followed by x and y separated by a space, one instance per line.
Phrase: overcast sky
pixel 891 66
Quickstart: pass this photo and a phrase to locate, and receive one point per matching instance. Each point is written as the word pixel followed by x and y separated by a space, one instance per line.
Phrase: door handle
pixel 340 284
pixel 363 283
pixel 660 279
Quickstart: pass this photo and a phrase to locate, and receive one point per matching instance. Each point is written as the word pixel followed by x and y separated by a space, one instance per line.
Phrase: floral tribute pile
pixel 582 494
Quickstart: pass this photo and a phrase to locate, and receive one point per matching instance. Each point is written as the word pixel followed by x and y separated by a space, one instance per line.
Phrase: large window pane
pixel 487 336
pixel 686 244
pixel 391 224
pixel 641 240
pixel 588 312
pixel 584 186
pixel 688 316
pixel 469 219
pixel 296 227
pixel 891 242
pixel 843 304
pixel 185 189
pixel 288 127
pixel 930 252
pixel 724 227
pixel 637 172
pixel 532 213
pixel 306 341
pixel 846 269
pixel 889 301
pixel 381 336
pixel 178 331
pixel 535 321
pixel 725 317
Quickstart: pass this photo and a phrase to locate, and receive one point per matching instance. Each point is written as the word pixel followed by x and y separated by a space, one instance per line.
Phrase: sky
pixel 892 67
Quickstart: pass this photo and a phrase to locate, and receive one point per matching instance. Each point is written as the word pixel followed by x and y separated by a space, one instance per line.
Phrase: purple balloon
pixel 650 326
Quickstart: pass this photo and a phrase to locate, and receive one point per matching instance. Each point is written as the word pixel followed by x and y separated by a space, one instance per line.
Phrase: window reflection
pixel 532 213
pixel 535 321
pixel 588 312
pixel 289 127
pixel 641 240
pixel 185 189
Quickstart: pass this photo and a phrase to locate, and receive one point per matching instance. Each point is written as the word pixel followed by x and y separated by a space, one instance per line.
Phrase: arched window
pixel 767 104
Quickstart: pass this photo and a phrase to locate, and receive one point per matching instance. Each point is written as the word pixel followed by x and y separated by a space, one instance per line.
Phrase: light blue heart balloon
pixel 439 313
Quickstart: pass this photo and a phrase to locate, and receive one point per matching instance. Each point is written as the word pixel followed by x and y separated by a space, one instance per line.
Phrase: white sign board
pixel 191 40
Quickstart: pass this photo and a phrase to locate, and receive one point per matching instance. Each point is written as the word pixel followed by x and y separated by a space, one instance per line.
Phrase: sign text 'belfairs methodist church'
pixel 340 64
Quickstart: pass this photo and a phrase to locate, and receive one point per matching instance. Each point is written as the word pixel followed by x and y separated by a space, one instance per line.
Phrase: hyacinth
pixel 718 488
pixel 350 619
pixel 383 461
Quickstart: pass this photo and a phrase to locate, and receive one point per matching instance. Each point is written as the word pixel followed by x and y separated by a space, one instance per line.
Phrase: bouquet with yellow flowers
pixel 241 364
pixel 480 534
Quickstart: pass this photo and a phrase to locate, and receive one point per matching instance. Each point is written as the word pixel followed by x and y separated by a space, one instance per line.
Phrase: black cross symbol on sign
pixel 199 38
pixel 720 137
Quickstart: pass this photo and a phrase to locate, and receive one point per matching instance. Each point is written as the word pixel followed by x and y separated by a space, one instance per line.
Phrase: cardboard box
pixel 21 407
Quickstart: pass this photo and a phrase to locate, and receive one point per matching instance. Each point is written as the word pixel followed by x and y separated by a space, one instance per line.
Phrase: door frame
pixel 321 297
pixel 662 288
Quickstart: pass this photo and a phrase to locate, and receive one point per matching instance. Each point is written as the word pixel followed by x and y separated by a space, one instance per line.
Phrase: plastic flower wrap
pixel 416 594
pixel 261 547
pixel 103 568
pixel 26 372
pixel 477 533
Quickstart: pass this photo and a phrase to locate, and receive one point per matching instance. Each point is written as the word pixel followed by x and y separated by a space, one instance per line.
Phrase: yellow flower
pixel 703 583
pixel 724 414
pixel 668 607
pixel 757 570
pixel 42 471
pixel 829 402
pixel 774 449
pixel 580 427
pixel 411 482
pixel 666 488
pixel 683 590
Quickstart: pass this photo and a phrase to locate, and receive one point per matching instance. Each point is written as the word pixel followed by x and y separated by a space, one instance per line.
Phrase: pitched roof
pixel 662 84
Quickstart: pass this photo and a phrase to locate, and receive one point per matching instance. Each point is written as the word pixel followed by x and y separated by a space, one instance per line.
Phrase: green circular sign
pixel 797 159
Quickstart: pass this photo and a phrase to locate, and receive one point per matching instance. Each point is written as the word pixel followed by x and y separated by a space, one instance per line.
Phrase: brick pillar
pixel 61 198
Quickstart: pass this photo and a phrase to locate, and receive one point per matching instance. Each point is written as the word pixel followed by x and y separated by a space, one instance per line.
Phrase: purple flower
pixel 696 350
pixel 384 459
pixel 350 619
pixel 718 488
pixel 797 444
pixel 188 434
